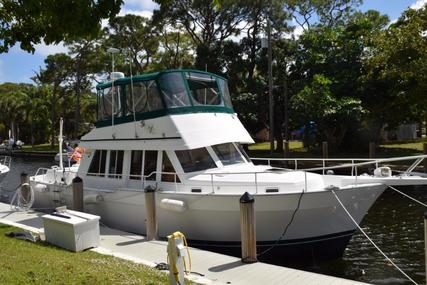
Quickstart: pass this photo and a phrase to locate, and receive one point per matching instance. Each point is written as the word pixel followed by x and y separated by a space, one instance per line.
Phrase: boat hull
pixel 320 227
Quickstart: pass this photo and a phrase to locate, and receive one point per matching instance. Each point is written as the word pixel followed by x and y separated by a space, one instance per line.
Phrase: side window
pixel 173 89
pixel 150 164
pixel 97 165
pixel 195 159
pixel 203 88
pixel 115 167
pixel 136 165
pixel 145 97
pixel 168 167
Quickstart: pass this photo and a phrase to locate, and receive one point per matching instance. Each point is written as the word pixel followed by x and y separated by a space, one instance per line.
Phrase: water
pixel 395 223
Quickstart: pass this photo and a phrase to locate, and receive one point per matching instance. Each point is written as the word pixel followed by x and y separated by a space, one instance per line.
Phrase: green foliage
pixel 30 21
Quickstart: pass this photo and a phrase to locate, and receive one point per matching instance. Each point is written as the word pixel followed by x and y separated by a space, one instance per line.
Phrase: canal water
pixel 395 223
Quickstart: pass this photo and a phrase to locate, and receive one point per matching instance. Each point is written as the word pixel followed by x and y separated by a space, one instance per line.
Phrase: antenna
pixel 112 51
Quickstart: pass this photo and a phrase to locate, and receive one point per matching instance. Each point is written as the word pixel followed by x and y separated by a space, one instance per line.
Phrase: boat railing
pixel 6 160
pixel 349 163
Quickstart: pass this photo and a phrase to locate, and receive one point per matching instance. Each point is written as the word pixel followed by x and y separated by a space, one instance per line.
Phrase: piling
pixel 425 243
pixel 286 153
pixel 25 188
pixel 247 228
pixel 150 213
pixel 425 159
pixel 325 149
pixel 78 194
pixel 372 148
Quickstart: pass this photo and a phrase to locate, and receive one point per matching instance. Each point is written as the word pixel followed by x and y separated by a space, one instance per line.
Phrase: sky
pixel 20 66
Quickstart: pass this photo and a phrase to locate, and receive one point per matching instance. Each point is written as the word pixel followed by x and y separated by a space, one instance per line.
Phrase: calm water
pixel 395 223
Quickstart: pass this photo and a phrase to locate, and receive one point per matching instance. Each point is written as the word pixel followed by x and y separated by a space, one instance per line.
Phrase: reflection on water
pixel 395 223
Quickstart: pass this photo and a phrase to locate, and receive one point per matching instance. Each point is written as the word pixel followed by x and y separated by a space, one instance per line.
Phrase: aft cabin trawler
pixel 176 131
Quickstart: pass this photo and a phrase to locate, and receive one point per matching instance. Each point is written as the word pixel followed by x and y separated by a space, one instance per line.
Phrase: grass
pixel 24 262
pixel 388 149
pixel 40 147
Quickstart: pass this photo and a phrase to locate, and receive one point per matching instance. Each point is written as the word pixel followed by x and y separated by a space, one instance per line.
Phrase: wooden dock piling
pixel 78 204
pixel 372 148
pixel 247 228
pixel 150 213
pixel 425 159
pixel 325 149
pixel 25 188
pixel 425 243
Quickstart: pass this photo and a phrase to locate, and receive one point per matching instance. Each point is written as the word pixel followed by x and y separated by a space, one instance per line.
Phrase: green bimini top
pixel 161 93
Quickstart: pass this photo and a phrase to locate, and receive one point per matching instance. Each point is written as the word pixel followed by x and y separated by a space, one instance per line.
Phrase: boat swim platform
pixel 216 268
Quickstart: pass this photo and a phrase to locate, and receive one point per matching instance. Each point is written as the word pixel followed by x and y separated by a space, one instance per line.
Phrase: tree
pixel 30 21
pixel 57 70
pixel 136 37
pixel 395 67
pixel 85 63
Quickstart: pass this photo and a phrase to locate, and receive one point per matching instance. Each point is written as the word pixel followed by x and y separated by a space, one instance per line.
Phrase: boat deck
pixel 215 268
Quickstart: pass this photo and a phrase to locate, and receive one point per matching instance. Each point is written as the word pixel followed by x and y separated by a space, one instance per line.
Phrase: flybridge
pixel 162 93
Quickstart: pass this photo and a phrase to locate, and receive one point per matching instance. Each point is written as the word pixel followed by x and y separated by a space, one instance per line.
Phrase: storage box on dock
pixel 72 230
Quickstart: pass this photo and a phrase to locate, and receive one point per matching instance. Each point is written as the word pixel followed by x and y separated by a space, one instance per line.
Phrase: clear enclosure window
pixel 195 159
pixel 168 167
pixel 146 97
pixel 173 89
pixel 105 102
pixel 97 165
pixel 228 154
pixel 116 164
pixel 150 164
pixel 225 92
pixel 203 88
pixel 136 165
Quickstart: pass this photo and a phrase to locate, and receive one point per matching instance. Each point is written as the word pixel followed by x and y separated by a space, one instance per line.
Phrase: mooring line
pixel 407 196
pixel 372 242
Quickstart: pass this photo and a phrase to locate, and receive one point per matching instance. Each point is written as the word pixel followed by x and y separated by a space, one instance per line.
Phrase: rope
pixel 372 242
pixel 407 196
pixel 286 228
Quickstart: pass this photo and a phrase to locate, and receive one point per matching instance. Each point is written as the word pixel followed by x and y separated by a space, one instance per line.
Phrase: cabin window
pixel 195 159
pixel 105 102
pixel 168 167
pixel 173 90
pixel 136 164
pixel 225 92
pixel 116 164
pixel 146 96
pixel 228 154
pixel 243 152
pixel 150 164
pixel 203 89
pixel 97 165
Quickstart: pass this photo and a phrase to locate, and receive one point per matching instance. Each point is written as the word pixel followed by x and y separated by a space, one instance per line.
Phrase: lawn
pixel 40 147
pixel 24 262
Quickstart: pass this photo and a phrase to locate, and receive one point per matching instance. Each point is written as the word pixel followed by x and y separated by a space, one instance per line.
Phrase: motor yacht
pixel 176 131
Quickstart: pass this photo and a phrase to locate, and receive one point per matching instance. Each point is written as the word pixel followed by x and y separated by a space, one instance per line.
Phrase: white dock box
pixel 72 230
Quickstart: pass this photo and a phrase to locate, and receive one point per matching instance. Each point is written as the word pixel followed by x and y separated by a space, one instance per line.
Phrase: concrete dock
pixel 209 267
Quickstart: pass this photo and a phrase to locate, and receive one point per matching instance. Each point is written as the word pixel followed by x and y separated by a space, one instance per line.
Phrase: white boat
pixel 4 166
pixel 178 133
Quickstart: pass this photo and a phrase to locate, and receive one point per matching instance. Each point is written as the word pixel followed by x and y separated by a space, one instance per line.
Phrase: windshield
pixel 195 159
pixel 228 154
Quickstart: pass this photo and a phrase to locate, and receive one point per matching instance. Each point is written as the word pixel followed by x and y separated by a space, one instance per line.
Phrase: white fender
pixel 173 205
pixel 93 199
pixel 40 187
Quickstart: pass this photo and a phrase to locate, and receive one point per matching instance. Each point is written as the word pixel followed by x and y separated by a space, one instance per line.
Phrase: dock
pixel 208 267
